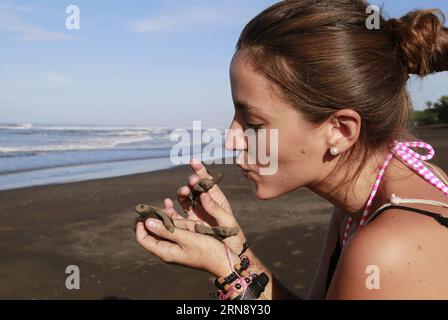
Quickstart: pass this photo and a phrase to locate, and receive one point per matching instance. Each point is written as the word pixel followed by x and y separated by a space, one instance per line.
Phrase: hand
pixel 185 247
pixel 214 208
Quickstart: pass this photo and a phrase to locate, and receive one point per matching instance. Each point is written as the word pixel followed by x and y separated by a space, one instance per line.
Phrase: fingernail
pixel 152 224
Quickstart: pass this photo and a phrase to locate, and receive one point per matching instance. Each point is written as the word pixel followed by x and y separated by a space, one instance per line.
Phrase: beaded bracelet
pixel 221 283
pixel 228 285
pixel 255 289
pixel 241 283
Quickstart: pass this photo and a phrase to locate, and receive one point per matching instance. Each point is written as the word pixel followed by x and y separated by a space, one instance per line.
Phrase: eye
pixel 254 127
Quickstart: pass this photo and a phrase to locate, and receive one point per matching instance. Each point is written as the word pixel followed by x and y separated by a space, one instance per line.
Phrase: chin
pixel 265 193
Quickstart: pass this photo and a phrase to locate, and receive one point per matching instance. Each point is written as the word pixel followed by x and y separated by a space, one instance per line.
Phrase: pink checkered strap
pixel 403 151
pixel 412 159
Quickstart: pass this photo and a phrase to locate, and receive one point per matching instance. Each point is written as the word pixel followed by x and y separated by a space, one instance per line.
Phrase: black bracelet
pixel 255 289
pixel 245 262
pixel 245 247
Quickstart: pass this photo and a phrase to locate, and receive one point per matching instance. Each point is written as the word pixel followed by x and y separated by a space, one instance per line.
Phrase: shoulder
pixel 399 255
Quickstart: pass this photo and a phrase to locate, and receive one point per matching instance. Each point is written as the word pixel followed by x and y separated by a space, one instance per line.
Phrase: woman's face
pixel 302 148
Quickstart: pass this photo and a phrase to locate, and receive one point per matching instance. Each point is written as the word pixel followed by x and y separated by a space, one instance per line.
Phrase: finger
pixel 199 169
pixel 140 232
pixel 196 214
pixel 215 210
pixel 193 180
pixel 170 211
pixel 164 250
pixel 168 204
pixel 141 221
pixel 183 197
pixel 179 236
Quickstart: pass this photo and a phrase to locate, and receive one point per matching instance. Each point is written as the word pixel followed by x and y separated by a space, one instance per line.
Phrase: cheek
pixel 285 145
pixel 292 150
pixel 298 166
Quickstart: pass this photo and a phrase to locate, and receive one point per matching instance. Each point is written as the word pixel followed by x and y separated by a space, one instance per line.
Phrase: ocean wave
pixel 158 154
pixel 123 133
pixel 17 126
pixel 100 128
pixel 94 144
pixel 82 128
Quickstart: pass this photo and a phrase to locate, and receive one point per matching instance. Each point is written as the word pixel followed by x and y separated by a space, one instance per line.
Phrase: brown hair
pixel 323 58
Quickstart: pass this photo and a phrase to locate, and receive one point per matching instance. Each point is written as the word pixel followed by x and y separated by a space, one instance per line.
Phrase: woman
pixel 336 91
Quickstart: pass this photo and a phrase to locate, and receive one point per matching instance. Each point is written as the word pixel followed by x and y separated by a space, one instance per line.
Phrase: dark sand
pixel 88 224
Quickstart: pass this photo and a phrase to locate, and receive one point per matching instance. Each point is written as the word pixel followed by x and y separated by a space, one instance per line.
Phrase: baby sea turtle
pixel 203 185
pixel 146 211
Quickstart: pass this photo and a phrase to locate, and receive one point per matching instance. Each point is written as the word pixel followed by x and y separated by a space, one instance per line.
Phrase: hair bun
pixel 423 41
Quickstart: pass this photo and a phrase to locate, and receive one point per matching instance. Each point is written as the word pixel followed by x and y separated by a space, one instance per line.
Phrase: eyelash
pixel 254 126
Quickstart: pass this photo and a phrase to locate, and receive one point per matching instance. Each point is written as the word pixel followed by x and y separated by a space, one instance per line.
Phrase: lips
pixel 246 173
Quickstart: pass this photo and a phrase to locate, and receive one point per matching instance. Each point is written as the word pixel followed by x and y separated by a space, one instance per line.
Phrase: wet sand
pixel 88 224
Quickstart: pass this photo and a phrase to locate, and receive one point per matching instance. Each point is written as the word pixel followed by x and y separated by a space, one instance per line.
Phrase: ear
pixel 344 128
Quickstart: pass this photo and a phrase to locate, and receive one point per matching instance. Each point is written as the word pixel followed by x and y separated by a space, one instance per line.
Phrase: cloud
pixel 11 21
pixel 56 80
pixel 193 17
pixel 49 80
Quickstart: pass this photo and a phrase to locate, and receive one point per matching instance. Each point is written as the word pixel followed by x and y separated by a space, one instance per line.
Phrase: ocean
pixel 32 155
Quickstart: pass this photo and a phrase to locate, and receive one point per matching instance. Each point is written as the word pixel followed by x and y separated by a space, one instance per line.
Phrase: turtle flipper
pixel 203 229
pixel 203 185
pixel 219 232
pixel 145 211
pixel 167 221
pixel 226 232
pixel 218 177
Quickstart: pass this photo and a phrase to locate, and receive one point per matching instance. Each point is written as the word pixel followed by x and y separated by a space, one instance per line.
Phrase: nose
pixel 235 140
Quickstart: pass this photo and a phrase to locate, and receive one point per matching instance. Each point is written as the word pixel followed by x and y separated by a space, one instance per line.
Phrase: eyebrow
pixel 242 105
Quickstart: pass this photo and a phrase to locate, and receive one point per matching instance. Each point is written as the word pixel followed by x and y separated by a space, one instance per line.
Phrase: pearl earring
pixel 334 151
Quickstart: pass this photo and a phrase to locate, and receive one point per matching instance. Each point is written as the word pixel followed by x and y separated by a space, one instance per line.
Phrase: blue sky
pixel 151 63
